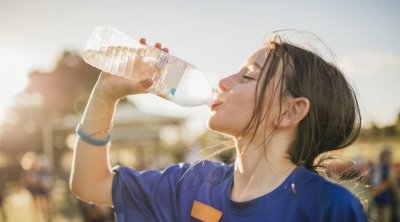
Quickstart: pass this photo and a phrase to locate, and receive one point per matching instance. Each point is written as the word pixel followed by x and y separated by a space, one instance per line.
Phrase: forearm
pixel 91 177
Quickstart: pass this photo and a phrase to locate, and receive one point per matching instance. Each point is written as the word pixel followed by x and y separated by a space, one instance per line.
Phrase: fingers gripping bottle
pixel 173 79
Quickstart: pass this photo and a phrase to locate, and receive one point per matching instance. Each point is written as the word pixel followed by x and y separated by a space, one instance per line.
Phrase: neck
pixel 259 169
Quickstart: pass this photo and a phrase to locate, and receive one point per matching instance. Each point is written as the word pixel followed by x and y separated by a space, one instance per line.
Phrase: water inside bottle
pixel 194 89
pixel 173 79
pixel 116 60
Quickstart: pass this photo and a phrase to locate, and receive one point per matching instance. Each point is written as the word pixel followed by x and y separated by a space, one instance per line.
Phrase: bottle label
pixel 172 70
pixel 173 75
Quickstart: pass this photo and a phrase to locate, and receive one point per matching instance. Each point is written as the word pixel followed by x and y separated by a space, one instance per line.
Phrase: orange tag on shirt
pixel 205 213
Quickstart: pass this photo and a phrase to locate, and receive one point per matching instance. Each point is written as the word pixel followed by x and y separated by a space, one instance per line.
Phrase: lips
pixel 215 104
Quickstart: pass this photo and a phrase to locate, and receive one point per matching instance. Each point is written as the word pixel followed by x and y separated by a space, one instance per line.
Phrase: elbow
pixel 98 192
pixel 79 191
pixel 78 187
pixel 75 188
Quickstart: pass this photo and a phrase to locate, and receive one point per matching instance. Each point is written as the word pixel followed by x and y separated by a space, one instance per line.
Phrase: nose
pixel 221 86
pixel 225 84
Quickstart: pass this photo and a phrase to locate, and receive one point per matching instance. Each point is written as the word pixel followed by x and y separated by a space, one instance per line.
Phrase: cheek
pixel 233 116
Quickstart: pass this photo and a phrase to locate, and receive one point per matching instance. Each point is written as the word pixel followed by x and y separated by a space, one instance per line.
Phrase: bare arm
pixel 91 177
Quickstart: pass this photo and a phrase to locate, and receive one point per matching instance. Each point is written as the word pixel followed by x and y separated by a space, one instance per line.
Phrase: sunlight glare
pixel 14 79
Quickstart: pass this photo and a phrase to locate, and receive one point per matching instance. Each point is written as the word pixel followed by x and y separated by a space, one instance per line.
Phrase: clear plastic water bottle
pixel 173 79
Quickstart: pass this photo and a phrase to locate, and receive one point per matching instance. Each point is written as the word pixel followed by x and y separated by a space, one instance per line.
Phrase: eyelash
pixel 248 77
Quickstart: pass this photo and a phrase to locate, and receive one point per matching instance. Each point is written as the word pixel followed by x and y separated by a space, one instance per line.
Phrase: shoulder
pixel 331 191
pixel 332 200
pixel 206 171
pixel 200 171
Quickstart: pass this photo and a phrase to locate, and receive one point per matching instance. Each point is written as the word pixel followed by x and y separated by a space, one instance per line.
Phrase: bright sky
pixel 215 35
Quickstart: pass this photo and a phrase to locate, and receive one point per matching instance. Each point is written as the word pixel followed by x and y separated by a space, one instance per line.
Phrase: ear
pixel 295 111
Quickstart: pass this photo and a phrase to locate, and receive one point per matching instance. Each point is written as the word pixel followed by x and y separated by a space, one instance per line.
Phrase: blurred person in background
pixel 95 213
pixel 384 190
pixel 38 181
pixel 283 108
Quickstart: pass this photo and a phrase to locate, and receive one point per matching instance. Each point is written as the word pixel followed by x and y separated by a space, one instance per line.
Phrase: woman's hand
pixel 115 87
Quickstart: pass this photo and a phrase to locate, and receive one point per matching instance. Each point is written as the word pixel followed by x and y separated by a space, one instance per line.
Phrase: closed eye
pixel 248 77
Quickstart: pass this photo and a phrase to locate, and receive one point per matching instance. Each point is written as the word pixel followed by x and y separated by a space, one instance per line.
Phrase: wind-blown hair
pixel 333 121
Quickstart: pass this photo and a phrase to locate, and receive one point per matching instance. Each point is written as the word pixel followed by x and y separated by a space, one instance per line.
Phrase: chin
pixel 216 126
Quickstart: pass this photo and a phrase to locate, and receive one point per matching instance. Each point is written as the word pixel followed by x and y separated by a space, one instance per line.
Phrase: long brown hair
pixel 333 121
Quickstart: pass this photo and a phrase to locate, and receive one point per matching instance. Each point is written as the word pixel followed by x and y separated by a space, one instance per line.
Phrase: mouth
pixel 215 104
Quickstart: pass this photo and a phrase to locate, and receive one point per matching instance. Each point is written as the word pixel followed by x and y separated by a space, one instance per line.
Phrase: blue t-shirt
pixel 169 196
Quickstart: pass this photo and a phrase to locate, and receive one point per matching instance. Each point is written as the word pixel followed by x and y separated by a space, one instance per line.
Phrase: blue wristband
pixel 90 140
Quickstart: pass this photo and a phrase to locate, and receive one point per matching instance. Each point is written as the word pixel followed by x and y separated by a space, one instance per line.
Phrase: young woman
pixel 283 108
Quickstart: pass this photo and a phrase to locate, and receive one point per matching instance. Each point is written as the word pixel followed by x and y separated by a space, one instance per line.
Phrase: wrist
pixel 91 139
pixel 100 108
pixel 103 93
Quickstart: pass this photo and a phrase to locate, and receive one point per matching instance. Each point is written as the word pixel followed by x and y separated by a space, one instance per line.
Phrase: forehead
pixel 259 57
pixel 259 60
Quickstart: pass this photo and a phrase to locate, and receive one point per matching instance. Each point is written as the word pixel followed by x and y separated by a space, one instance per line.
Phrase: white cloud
pixel 369 63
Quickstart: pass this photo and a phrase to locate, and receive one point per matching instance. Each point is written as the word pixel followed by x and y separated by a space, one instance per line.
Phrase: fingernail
pixel 142 40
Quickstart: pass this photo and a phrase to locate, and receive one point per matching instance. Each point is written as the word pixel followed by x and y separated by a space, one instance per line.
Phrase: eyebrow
pixel 253 63
pixel 257 65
